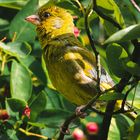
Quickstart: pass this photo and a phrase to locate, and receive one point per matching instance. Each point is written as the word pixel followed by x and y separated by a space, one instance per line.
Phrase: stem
pixel 126 95
pixel 135 5
pixel 65 126
pixel 97 57
pixel 3 39
pixel 33 134
pixel 80 6
pixel 3 63
pixel 14 37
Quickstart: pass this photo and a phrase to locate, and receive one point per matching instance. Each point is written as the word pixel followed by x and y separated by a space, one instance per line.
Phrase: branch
pixel 97 57
pixel 110 108
pixel 33 134
pixel 126 95
pixel 135 5
pixel 68 121
pixel 65 126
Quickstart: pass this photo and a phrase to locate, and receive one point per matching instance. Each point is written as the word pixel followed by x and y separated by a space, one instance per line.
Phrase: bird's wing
pixel 87 62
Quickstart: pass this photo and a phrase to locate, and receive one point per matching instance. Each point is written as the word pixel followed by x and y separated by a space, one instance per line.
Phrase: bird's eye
pixel 46 14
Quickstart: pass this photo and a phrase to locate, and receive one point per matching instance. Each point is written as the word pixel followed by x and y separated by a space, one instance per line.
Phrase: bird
pixel 71 67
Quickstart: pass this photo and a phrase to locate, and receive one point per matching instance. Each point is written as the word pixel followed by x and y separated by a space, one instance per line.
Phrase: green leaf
pixel 10 134
pixel 16 105
pixel 53 117
pixel 67 4
pixel 20 82
pixel 111 96
pixel 16 4
pixel 3 22
pixel 56 100
pixel 24 31
pixel 119 127
pixel 51 132
pixel 38 105
pixel 35 66
pixel 17 49
pixel 39 125
pixel 116 56
pixel 110 9
pixel 135 132
pixel 129 33
pixel 132 68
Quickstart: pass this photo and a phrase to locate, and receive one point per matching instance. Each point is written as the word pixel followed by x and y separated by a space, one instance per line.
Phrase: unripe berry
pixel 78 134
pixel 92 128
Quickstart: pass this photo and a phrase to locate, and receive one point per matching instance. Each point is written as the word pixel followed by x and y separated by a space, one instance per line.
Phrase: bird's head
pixel 52 21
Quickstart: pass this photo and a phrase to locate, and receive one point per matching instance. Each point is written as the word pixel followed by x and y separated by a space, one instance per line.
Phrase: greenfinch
pixel 71 67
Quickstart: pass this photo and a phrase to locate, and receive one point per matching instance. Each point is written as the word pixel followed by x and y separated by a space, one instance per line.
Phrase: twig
pixel 14 37
pixel 80 6
pixel 3 64
pixel 122 109
pixel 34 134
pixel 94 50
pixel 135 5
pixel 65 126
pixel 110 108
pixel 3 39
pixel 97 57
pixel 68 121
pixel 126 95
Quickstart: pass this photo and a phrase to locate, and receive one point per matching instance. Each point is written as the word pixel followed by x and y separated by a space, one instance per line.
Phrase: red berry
pixel 92 128
pixel 78 134
pixel 27 111
pixel 76 31
pixel 4 114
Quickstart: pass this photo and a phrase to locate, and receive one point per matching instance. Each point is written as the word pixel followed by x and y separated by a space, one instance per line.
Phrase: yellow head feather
pixel 54 21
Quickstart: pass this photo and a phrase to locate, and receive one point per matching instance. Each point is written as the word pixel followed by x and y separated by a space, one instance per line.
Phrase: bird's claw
pixel 65 132
pixel 80 113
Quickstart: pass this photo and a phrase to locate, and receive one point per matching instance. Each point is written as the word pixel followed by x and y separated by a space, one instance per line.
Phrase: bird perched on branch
pixel 71 67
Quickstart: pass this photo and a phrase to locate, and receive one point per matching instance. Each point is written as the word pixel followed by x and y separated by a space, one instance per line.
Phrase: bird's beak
pixel 34 19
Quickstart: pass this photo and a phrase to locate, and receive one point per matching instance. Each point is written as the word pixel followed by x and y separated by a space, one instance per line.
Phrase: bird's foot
pixel 79 112
pixel 64 131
